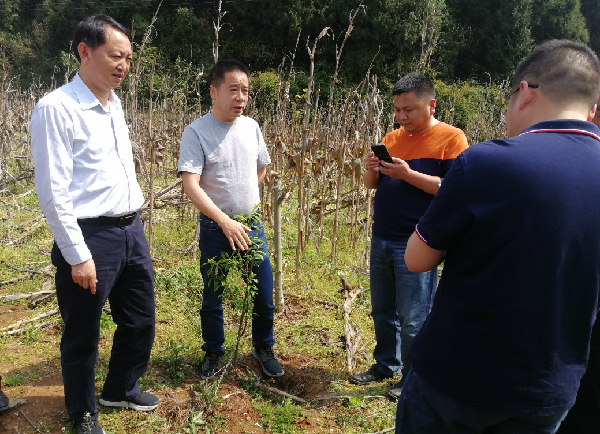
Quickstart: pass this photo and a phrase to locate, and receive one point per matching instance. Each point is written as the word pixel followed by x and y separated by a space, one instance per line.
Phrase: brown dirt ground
pixel 45 400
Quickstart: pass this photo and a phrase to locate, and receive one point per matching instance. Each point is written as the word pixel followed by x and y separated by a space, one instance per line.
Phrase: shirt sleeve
pixel 51 145
pixel 263 154
pixel 448 216
pixel 453 149
pixel 191 155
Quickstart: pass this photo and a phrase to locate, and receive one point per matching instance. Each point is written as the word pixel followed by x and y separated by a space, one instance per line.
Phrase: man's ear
pixel 83 49
pixel 527 95
pixel 213 92
pixel 592 113
pixel 432 104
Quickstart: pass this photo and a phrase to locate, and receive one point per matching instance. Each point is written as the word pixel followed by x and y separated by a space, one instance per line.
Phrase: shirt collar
pixel 87 100
pixel 564 124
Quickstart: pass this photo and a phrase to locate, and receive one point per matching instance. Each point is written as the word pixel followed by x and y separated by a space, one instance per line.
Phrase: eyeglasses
pixel 502 112
pixel 532 86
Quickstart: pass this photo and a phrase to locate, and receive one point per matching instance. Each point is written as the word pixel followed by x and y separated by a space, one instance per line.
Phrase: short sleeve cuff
pixel 419 234
pixel 188 168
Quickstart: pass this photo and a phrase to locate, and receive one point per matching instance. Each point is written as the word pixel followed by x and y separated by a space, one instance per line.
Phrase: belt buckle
pixel 121 221
pixel 125 220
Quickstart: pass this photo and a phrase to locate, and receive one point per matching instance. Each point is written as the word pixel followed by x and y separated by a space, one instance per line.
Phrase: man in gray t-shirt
pixel 222 161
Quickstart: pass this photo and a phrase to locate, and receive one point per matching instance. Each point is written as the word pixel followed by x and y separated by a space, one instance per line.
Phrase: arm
pixel 235 231
pixel 419 257
pixel 371 175
pixel 262 172
pixel 53 160
pixel 401 170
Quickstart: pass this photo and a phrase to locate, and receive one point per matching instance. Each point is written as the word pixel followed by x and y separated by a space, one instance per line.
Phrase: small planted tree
pixel 233 272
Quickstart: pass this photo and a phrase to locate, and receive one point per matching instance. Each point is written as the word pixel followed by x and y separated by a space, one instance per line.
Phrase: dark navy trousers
pixel 126 278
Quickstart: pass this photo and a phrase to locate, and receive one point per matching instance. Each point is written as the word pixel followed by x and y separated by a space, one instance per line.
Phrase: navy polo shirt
pixel 519 220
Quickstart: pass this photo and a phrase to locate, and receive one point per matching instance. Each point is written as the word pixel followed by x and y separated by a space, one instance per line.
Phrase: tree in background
pixel 484 39
pixel 590 9
pixel 431 15
pixel 13 50
pixel 451 39
pixel 558 19
pixel 182 34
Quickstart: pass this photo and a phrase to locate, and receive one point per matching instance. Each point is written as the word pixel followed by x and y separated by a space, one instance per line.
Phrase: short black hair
pixel 222 67
pixel 415 82
pixel 565 71
pixel 92 31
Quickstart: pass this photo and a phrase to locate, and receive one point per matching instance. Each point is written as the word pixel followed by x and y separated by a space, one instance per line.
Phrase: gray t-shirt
pixel 226 155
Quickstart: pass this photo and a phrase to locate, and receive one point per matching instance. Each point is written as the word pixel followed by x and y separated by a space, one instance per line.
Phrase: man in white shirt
pixel 87 188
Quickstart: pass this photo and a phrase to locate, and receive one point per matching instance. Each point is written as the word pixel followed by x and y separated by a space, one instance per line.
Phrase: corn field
pixel 316 147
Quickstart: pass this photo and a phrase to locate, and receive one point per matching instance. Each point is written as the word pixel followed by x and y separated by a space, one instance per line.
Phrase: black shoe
pixel 395 391
pixel 88 427
pixel 143 402
pixel 3 401
pixel 268 361
pixel 212 365
pixel 370 376
pixel 3 398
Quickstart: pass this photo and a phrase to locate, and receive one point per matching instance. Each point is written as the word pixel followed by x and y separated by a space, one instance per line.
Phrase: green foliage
pixel 14 54
pixel 458 103
pixel 107 325
pixel 558 19
pixel 201 417
pixel 12 380
pixel 387 34
pixel 58 26
pixel 281 418
pixel 173 359
pixel 66 64
pixel 9 16
pixel 233 272
pixel 492 38
pixel 186 35
pixel 474 108
pixel 173 280
pixel 309 328
pixel 150 425
pixel 590 9
pixel 264 88
pixel 463 39
pixel 197 420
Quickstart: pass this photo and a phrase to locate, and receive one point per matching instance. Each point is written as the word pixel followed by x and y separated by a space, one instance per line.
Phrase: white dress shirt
pixel 83 163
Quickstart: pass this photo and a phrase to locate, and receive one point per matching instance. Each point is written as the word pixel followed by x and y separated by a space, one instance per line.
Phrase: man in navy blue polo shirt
pixel 584 416
pixel 516 221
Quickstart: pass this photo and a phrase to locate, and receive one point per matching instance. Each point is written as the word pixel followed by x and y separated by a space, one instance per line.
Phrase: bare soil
pixel 44 411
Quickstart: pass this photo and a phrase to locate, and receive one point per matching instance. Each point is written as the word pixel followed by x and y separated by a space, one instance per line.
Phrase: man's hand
pixel 233 230
pixel 399 170
pixel 372 162
pixel 84 274
pixel 236 233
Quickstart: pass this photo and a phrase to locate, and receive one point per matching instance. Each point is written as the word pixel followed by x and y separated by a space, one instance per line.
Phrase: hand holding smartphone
pixel 381 152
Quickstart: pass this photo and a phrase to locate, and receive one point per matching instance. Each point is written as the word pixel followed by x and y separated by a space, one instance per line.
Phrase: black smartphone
pixel 381 152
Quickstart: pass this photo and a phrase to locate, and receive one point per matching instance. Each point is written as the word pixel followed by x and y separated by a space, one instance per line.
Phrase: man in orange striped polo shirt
pixel 422 151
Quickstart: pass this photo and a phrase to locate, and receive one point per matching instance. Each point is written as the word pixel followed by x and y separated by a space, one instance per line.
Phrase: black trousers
pixel 584 416
pixel 126 278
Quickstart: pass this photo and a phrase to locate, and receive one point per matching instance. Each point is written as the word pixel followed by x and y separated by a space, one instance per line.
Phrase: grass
pixel 280 417
pixel 309 334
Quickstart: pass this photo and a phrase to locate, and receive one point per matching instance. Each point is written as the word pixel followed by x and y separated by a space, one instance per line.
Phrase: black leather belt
pixel 121 221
